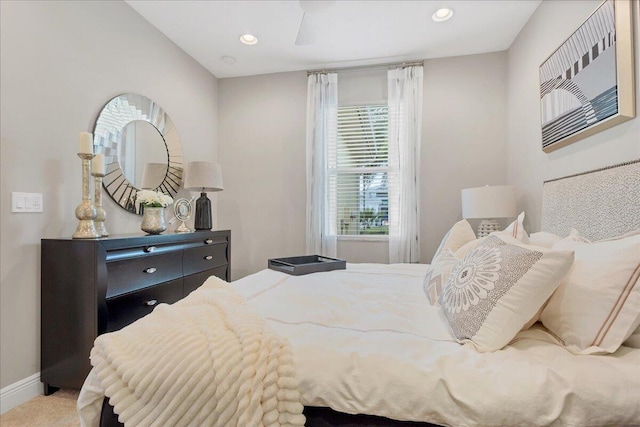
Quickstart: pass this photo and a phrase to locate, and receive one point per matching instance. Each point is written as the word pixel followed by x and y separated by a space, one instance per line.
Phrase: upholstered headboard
pixel 599 204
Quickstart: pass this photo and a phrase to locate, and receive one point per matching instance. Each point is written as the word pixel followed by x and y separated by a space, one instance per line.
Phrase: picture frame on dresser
pixel 93 286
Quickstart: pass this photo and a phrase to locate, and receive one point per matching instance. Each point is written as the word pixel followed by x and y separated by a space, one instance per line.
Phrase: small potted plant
pixel 152 205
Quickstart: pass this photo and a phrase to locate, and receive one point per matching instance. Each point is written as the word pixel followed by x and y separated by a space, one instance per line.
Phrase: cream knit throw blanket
pixel 207 360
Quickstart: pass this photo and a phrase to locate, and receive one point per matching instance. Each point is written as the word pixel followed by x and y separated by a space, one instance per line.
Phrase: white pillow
pixel 516 229
pixel 543 239
pixel 458 235
pixel 634 339
pixel 597 306
pixel 498 287
pixel 574 238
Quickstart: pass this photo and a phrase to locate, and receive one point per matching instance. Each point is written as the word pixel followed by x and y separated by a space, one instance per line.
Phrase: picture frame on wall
pixel 587 84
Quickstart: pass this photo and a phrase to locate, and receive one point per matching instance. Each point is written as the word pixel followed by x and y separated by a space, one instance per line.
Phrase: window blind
pixel 358 163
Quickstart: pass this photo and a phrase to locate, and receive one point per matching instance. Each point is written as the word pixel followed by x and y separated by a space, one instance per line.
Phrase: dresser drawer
pixel 204 258
pixel 194 281
pixel 131 274
pixel 126 309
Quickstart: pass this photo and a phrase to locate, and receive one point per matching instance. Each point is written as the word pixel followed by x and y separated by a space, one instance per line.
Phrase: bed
pixel 370 349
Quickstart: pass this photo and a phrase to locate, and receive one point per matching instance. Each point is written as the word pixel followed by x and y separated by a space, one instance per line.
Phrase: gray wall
pixel 61 62
pixel 464 140
pixel 262 150
pixel 552 23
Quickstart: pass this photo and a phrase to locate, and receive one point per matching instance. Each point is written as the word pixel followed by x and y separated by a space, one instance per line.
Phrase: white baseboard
pixel 19 392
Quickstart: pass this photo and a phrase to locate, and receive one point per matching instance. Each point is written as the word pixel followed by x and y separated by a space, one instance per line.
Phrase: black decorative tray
pixel 299 265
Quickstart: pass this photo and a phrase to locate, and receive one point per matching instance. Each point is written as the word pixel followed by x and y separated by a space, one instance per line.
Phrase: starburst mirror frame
pixel 107 135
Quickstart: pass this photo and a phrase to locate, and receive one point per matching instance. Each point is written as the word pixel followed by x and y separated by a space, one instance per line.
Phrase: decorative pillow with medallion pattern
pixel 438 274
pixel 459 240
pixel 458 235
pixel 497 287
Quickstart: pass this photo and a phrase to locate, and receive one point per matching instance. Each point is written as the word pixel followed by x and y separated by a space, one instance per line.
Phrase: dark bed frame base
pixel 316 417
pixel 327 417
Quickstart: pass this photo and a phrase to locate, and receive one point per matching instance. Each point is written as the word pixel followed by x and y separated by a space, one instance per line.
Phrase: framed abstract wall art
pixel 587 84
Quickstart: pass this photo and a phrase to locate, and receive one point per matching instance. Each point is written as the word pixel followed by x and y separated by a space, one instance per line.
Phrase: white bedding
pixel 366 340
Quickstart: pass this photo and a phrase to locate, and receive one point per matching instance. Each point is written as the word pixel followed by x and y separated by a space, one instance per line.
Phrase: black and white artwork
pixel 579 81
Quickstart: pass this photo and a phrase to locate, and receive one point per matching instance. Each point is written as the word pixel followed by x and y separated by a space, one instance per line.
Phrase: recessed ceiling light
pixel 442 14
pixel 248 39
pixel 228 59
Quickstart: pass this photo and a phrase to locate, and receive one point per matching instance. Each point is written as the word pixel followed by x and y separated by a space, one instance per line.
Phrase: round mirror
pixel 141 148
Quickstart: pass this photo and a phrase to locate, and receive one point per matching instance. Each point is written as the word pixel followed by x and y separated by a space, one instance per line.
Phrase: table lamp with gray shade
pixel 203 177
pixel 488 203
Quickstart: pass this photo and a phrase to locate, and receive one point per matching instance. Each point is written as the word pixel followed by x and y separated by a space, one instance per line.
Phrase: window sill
pixel 362 238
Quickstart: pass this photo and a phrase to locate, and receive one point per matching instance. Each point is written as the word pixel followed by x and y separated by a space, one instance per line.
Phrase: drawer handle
pixel 208 257
pixel 150 270
pixel 151 302
pixel 150 249
pixel 208 241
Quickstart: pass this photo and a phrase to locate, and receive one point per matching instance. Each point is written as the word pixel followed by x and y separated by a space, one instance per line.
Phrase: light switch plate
pixel 26 202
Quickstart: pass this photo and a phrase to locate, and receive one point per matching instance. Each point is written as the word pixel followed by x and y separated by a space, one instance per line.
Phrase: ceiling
pixel 348 32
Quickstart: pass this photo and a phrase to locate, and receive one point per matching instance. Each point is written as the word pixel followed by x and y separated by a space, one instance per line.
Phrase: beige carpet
pixel 56 410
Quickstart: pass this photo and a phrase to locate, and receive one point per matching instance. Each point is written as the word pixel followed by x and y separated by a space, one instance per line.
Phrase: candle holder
pixel 86 212
pixel 101 215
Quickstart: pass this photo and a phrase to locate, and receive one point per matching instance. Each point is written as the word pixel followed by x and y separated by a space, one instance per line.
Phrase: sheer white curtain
pixel 322 116
pixel 405 119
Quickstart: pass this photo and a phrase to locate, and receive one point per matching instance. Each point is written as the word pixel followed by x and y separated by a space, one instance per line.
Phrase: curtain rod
pixel 366 67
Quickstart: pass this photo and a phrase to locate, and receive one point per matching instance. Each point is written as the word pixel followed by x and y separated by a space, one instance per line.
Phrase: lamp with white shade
pixel 488 203
pixel 203 177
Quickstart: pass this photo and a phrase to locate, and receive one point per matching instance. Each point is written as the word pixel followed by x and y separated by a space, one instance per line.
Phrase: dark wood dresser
pixel 94 286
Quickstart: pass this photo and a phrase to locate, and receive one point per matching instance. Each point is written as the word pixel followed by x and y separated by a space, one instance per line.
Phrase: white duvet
pixel 365 340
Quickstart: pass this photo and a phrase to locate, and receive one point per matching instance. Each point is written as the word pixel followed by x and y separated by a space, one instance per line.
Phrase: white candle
pixel 85 143
pixel 97 164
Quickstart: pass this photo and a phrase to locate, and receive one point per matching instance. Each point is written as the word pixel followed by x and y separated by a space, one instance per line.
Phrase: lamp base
pixel 487 226
pixel 203 213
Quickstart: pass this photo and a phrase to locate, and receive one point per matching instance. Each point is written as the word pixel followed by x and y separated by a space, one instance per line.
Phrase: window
pixel 358 165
